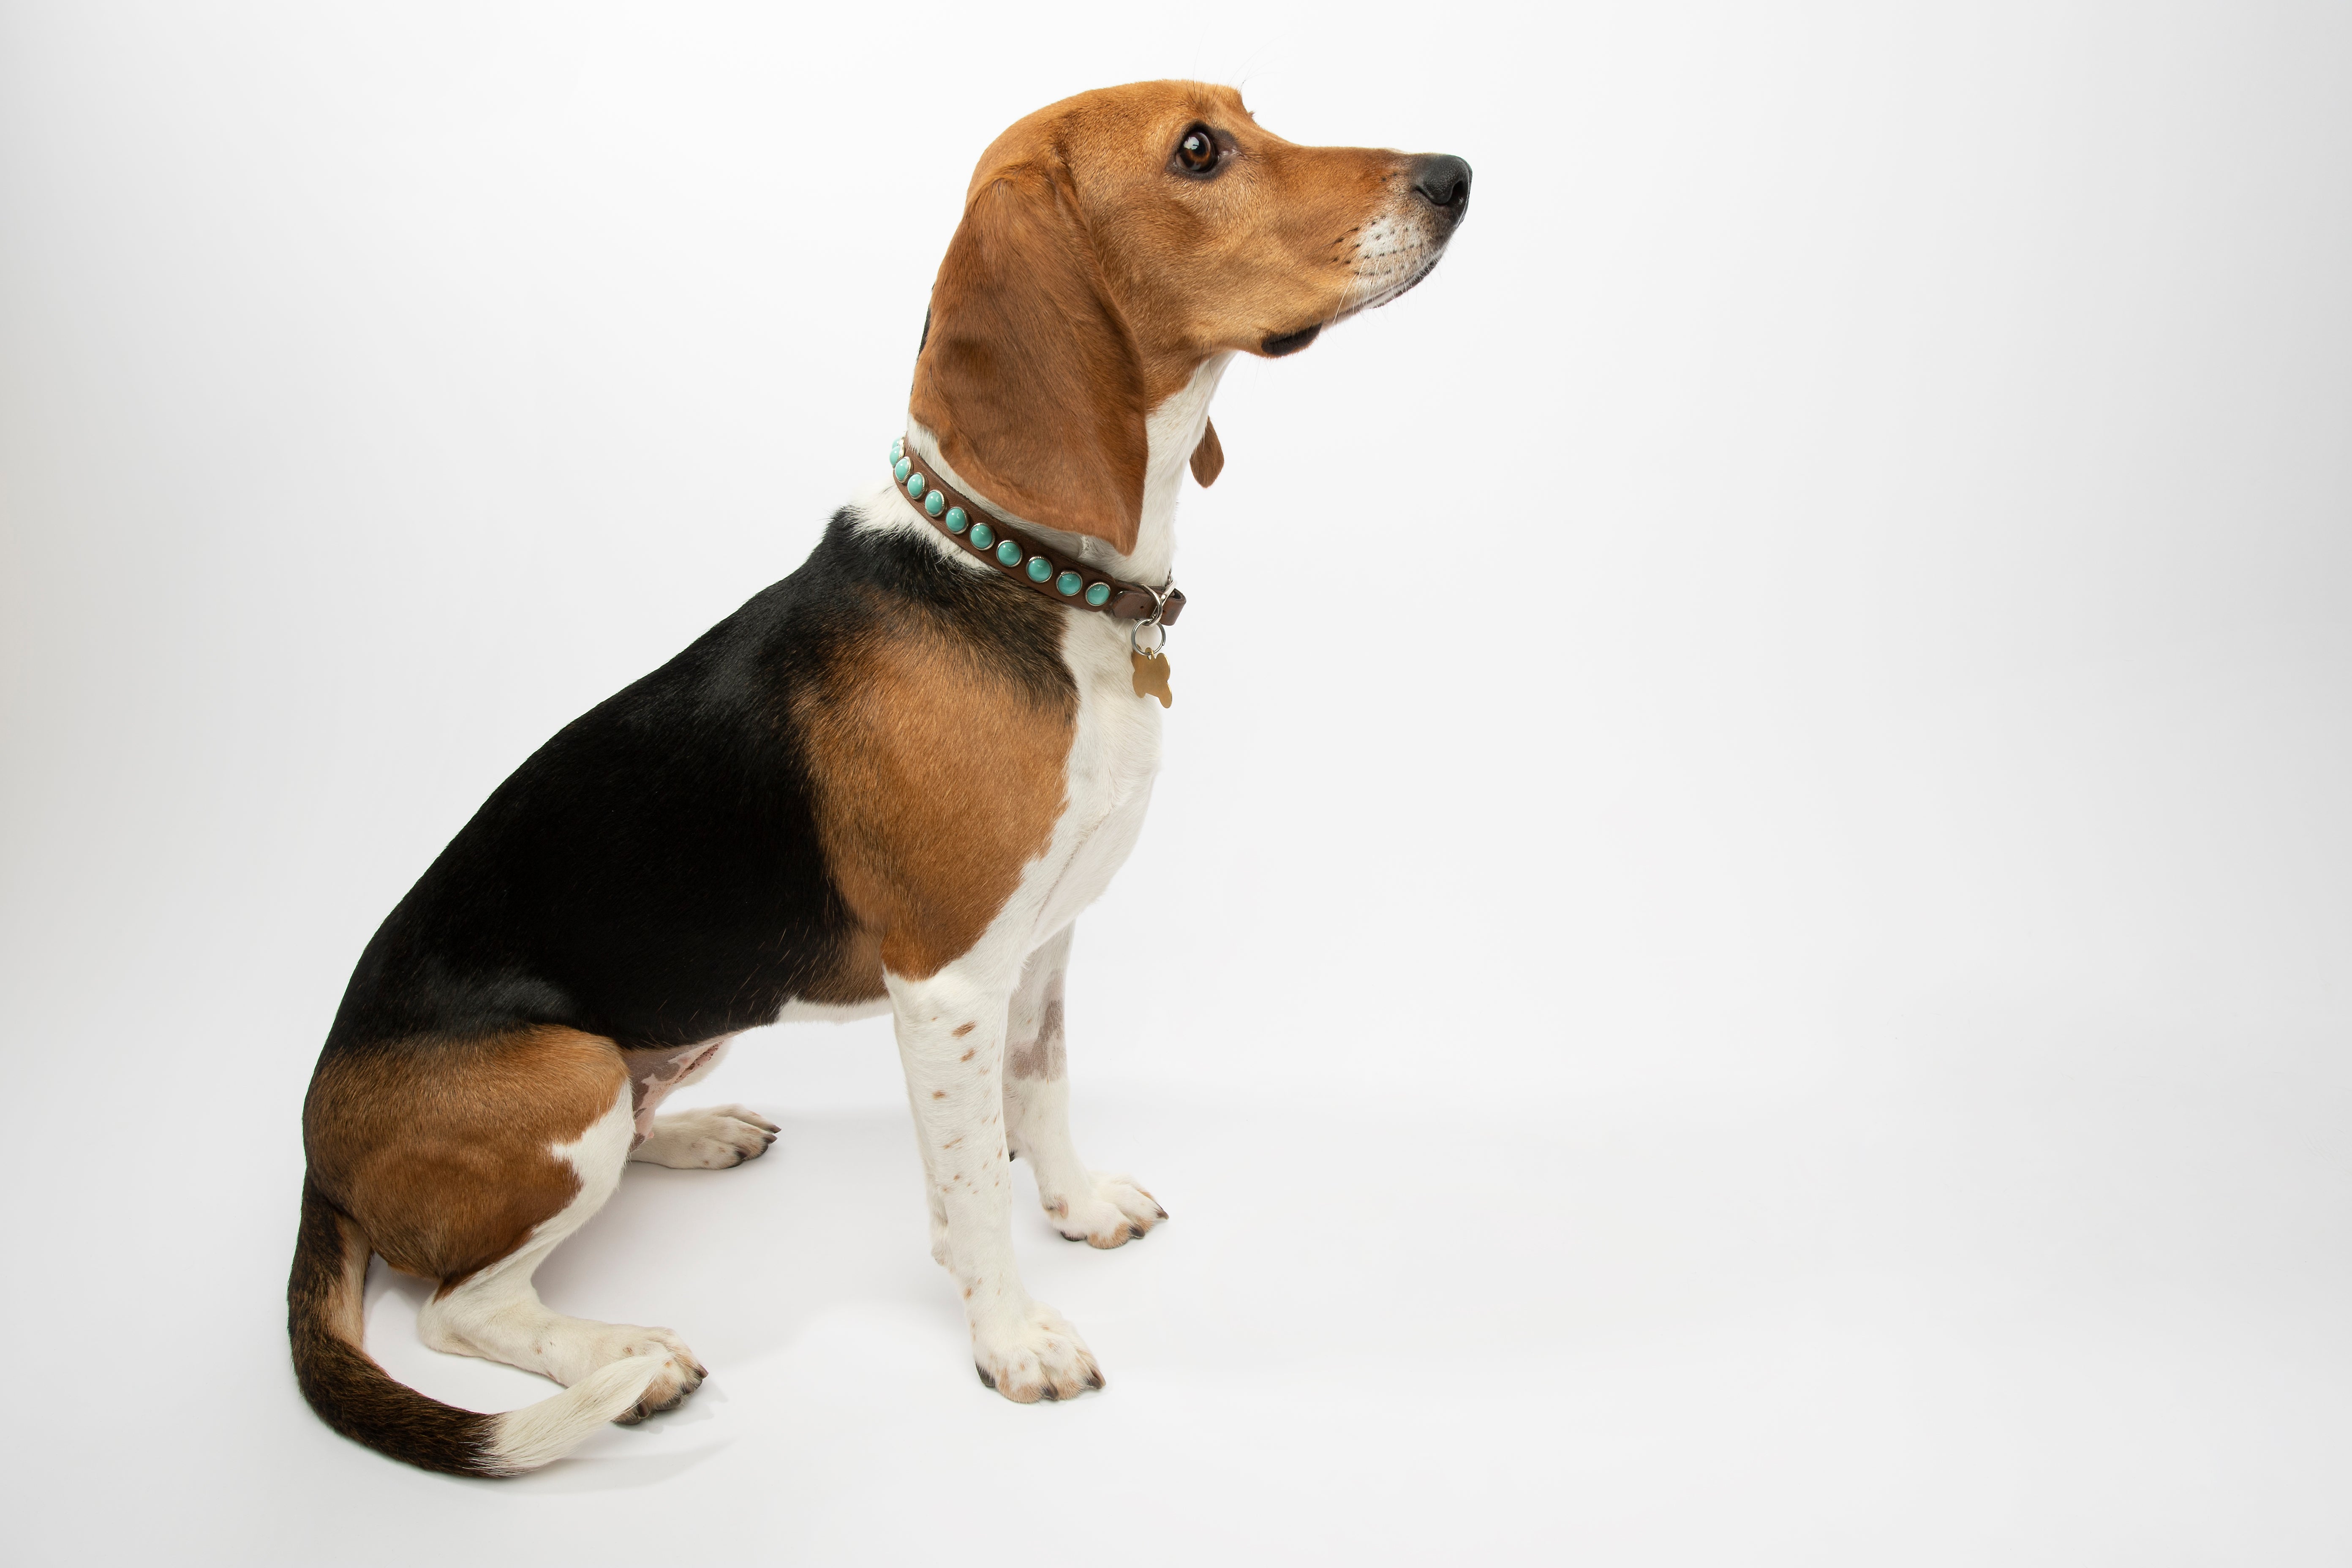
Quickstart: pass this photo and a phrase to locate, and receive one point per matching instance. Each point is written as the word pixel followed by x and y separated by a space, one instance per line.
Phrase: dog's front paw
pixel 1035 1357
pixel 1116 1212
pixel 709 1139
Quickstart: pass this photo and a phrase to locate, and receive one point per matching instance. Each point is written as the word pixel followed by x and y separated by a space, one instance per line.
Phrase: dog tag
pixel 1152 677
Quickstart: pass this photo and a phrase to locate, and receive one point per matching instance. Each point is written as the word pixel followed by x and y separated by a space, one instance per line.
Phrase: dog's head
pixel 1114 242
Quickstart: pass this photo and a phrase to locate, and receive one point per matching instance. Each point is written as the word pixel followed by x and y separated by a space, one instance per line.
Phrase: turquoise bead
pixel 901 469
pixel 1066 584
pixel 935 503
pixel 1099 594
pixel 916 485
pixel 1009 552
pixel 982 535
pixel 957 521
pixel 1040 569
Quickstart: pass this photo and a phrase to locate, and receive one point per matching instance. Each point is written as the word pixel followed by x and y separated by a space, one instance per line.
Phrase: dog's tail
pixel 324 1317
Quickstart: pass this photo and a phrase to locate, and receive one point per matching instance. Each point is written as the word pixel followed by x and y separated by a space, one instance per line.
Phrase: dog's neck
pixel 1174 429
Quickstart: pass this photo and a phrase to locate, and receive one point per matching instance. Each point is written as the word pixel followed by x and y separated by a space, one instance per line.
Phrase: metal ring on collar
pixel 1135 639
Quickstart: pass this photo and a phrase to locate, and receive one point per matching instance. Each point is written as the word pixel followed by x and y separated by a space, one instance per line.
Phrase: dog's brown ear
pixel 1209 457
pixel 1028 375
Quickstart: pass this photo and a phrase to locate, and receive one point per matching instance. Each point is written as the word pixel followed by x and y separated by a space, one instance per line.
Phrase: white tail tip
pixel 542 1433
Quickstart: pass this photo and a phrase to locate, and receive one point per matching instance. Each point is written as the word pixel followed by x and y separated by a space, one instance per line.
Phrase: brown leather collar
pixel 1023 559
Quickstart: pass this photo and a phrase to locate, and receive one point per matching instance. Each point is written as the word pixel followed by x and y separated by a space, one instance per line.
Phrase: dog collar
pixel 1023 559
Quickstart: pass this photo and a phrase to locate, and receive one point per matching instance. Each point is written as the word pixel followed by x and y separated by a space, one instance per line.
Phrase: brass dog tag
pixel 1152 677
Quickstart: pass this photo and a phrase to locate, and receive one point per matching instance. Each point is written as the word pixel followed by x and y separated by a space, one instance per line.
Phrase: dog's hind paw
pixel 1116 1212
pixel 679 1376
pixel 1037 1356
pixel 709 1139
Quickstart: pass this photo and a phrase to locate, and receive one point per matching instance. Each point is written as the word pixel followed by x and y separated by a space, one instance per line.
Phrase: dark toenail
pixel 984 1378
pixel 1135 1230
pixel 1094 1380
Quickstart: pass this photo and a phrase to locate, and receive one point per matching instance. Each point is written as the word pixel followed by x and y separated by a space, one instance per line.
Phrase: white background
pixel 1775 992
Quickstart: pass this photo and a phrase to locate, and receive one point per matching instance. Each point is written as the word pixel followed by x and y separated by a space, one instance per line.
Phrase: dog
pixel 888 783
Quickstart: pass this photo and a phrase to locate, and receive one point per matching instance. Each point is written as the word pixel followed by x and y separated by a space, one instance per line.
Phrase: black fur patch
pixel 653 873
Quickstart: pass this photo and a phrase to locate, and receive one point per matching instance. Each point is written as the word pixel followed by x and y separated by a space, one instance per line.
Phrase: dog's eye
pixel 1198 152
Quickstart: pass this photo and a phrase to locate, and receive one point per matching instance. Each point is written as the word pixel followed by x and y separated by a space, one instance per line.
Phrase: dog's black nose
pixel 1443 181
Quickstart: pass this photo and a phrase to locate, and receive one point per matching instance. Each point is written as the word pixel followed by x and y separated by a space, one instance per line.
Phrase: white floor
pixel 1958 1318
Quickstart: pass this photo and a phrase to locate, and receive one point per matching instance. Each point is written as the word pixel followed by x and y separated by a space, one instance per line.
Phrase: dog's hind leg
pixel 468 1161
pixel 708 1140
pixel 496 1312
pixel 1086 1205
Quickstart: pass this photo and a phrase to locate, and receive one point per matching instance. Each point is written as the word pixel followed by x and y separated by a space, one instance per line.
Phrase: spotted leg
pixel 951 1028
pixel 1093 1206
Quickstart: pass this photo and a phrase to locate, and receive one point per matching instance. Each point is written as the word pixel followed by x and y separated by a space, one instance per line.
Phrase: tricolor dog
pixel 888 783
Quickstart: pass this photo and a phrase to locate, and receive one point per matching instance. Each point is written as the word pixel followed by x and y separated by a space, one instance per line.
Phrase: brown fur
pixel 438 1151
pixel 1087 283
pixel 935 779
pixel 1019 303
pixel 1208 457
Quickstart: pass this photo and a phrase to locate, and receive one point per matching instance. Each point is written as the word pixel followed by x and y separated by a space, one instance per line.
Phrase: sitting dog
pixel 890 782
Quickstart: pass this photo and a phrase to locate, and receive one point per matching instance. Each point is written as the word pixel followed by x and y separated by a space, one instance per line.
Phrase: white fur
pixel 833 1012
pixel 709 1139
pixel 1387 253
pixel 542 1433
pixel 1394 252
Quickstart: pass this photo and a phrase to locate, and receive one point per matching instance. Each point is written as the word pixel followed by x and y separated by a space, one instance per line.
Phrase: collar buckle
pixel 1159 605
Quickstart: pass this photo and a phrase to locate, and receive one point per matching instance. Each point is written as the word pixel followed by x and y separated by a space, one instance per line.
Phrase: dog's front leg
pixel 951 1042
pixel 1095 1206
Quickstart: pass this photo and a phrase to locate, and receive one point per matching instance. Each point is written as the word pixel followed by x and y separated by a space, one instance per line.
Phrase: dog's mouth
pixel 1276 344
pixel 1396 290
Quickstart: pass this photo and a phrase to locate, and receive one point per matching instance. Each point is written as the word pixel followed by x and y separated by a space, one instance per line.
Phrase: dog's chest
pixel 1114 757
